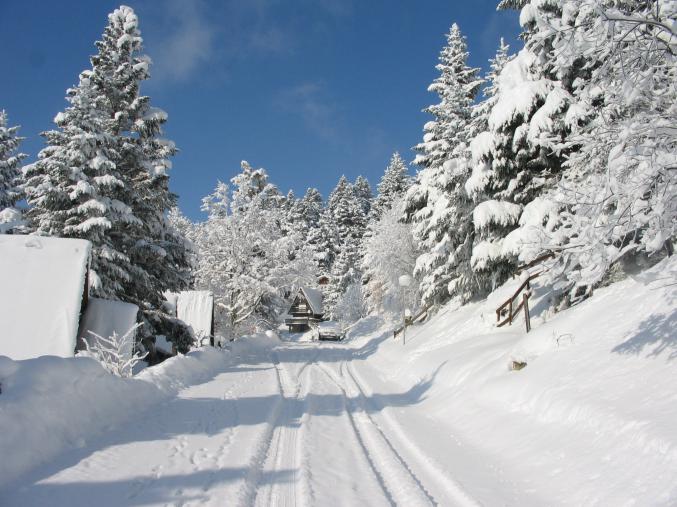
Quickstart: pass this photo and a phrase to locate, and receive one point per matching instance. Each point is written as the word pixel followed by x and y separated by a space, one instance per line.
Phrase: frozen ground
pixel 440 420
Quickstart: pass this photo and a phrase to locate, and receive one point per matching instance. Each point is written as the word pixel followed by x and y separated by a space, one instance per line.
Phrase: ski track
pixel 251 438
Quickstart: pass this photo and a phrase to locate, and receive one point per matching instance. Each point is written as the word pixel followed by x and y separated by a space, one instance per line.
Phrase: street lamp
pixel 404 281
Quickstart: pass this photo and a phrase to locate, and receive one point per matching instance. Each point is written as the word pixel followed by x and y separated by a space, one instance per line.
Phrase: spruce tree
pixel 346 209
pixel 521 153
pixel 10 175
pixel 394 183
pixel 363 193
pixel 437 204
pixel 104 177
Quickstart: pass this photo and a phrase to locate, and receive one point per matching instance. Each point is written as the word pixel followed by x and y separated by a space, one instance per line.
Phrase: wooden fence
pixel 411 321
pixel 519 301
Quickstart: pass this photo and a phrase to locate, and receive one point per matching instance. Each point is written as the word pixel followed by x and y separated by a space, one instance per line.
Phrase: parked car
pixel 330 330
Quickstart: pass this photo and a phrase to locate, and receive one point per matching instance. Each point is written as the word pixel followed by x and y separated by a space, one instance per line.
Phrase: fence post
pixel 510 312
pixel 525 301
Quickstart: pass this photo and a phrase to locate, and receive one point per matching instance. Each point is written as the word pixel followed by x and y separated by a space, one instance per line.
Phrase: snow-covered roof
pixel 314 298
pixel 41 287
pixel 194 307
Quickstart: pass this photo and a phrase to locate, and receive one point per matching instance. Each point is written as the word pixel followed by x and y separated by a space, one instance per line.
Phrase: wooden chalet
pixel 306 310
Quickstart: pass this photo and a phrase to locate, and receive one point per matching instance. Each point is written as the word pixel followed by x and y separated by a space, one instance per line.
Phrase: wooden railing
pixel 511 308
pixel 547 255
pixel 411 321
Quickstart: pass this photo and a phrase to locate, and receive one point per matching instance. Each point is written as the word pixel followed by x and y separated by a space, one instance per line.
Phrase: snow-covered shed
pixel 306 309
pixel 195 308
pixel 43 289
pixel 104 317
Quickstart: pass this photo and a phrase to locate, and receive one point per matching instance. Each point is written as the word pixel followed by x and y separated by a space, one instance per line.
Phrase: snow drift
pixel 51 404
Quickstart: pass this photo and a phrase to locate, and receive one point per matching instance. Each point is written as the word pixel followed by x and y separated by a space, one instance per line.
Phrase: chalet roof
pixel 314 298
pixel 41 287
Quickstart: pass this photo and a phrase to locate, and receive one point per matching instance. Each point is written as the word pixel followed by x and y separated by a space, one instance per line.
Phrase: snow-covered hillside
pixel 441 419
pixel 589 421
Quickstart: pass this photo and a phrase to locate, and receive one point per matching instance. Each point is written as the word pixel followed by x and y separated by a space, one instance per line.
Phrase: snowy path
pixel 295 425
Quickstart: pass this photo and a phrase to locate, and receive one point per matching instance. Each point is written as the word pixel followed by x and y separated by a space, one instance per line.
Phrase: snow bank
pixel 50 404
pixel 589 421
pixel 41 294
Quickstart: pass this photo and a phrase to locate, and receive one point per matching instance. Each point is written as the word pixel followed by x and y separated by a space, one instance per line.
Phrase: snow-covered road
pixel 291 425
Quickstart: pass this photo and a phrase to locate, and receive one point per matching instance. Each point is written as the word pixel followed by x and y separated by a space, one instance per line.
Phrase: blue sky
pixel 308 89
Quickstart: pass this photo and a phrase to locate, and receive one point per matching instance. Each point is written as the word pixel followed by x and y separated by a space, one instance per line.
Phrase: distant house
pixel 43 293
pixel 306 309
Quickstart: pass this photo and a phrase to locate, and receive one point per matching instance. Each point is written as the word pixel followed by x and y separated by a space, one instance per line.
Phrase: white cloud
pixel 312 104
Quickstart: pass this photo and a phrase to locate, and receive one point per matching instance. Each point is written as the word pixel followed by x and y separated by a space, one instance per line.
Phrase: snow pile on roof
pixel 195 308
pixel 104 317
pixel 41 294
pixel 314 298
pixel 51 404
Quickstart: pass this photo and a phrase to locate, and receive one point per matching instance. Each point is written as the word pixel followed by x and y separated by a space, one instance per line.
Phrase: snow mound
pixel 51 404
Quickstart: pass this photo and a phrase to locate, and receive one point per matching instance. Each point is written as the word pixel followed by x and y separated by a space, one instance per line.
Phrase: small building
pixel 196 309
pixel 43 293
pixel 306 310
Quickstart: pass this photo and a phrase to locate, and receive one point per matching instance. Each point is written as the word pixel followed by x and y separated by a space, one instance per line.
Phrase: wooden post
pixel 510 312
pixel 525 301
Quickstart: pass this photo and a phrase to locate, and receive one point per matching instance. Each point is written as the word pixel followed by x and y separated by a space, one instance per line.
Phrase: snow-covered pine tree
pixel 158 256
pixel 10 175
pixel 394 183
pixel 76 188
pixel 346 211
pixel 511 4
pixel 307 214
pixel 103 177
pixel 482 110
pixel 521 154
pixel 392 186
pixel 363 193
pixel 436 203
pixel 324 242
pixel 615 203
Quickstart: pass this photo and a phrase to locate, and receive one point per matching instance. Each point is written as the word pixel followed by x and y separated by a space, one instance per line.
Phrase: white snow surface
pixel 40 294
pixel 440 419
pixel 195 309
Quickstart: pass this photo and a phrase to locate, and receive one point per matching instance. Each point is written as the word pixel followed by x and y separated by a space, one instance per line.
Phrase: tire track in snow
pixel 453 490
pixel 255 468
pixel 274 446
pixel 399 483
